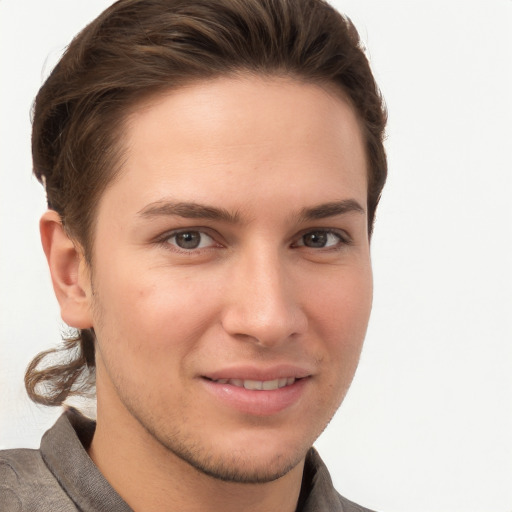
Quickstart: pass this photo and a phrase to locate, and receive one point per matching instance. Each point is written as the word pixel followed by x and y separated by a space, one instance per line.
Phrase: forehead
pixel 243 136
pixel 247 107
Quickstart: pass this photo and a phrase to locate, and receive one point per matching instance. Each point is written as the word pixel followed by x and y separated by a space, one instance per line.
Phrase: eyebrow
pixel 191 210
pixel 331 209
pixel 188 210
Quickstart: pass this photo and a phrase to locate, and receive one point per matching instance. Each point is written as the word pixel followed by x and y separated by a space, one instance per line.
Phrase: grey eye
pixel 190 240
pixel 319 239
pixel 315 239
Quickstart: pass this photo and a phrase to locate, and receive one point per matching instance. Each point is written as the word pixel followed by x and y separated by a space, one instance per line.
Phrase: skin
pixel 269 289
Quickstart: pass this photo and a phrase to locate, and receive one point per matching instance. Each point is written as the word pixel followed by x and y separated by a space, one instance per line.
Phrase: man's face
pixel 232 253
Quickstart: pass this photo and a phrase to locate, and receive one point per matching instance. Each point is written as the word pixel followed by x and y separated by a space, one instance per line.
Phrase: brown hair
pixel 136 48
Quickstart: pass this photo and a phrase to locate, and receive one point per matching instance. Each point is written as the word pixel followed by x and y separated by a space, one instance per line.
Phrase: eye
pixel 190 240
pixel 321 239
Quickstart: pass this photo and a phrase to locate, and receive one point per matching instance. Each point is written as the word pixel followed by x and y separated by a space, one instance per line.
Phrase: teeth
pixel 266 385
pixel 253 384
pixel 269 385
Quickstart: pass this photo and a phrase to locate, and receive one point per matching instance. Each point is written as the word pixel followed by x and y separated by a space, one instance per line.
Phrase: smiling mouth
pixel 258 385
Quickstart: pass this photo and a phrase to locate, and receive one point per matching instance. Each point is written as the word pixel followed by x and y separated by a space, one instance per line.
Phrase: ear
pixel 69 272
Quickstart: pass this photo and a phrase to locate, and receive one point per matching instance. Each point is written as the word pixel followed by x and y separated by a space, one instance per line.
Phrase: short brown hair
pixel 140 47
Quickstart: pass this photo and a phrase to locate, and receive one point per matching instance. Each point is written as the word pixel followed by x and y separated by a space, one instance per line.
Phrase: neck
pixel 151 478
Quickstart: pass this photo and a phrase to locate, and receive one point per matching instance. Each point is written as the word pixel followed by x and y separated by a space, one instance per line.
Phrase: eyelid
pixel 344 237
pixel 164 239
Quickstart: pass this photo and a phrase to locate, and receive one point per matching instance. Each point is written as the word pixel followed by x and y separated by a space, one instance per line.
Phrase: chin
pixel 242 467
pixel 251 457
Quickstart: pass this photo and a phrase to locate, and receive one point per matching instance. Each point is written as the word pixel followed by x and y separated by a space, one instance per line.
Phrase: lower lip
pixel 257 402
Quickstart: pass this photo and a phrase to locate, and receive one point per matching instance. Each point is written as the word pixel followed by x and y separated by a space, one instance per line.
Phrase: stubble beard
pixel 235 467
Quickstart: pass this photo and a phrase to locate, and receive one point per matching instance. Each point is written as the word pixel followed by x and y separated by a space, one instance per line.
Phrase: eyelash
pixel 342 236
pixel 343 240
pixel 164 241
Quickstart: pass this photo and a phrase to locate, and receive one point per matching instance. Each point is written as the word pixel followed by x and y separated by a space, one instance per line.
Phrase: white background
pixel 427 426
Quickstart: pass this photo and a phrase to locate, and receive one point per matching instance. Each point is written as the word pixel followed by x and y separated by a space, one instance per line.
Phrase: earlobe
pixel 68 271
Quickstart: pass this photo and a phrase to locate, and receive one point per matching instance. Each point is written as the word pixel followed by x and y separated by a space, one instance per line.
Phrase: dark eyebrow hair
pixel 189 210
pixel 332 209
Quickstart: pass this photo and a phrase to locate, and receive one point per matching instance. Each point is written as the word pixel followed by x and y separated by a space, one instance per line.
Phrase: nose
pixel 262 303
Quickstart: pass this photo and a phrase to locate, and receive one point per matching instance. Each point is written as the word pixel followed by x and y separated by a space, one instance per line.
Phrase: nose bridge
pixel 263 305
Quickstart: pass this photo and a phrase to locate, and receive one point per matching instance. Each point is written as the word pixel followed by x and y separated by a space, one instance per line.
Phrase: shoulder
pixel 321 494
pixel 350 506
pixel 27 485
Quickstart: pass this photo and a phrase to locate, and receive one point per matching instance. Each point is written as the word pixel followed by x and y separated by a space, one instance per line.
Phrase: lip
pixel 257 402
pixel 255 373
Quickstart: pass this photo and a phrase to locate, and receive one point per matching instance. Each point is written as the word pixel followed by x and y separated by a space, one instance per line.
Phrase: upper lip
pixel 260 373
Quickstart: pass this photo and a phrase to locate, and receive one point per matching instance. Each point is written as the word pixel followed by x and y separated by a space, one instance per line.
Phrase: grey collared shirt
pixel 61 477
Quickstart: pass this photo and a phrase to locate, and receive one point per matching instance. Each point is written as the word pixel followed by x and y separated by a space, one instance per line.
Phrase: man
pixel 212 171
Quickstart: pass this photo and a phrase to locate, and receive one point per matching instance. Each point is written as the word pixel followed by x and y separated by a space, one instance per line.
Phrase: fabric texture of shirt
pixel 61 477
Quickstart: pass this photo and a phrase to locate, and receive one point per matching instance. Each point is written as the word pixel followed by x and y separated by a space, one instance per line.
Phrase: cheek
pixel 340 319
pixel 154 309
pixel 344 303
